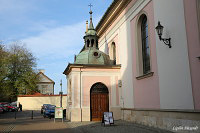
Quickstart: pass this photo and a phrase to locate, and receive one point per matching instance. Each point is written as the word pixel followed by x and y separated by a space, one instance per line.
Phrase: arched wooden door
pixel 99 101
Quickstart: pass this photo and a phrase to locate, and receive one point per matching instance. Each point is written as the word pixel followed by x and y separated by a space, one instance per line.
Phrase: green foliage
pixel 18 71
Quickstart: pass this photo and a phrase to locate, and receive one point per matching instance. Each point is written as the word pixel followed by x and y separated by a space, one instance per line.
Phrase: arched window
pixel 145 45
pixel 96 43
pixel 92 43
pixel 88 43
pixel 113 48
pixel 143 49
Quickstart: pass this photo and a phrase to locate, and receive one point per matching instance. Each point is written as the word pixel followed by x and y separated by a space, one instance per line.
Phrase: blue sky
pixel 52 30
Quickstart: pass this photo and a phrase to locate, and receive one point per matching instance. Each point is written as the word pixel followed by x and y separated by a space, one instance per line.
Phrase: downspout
pixel 80 95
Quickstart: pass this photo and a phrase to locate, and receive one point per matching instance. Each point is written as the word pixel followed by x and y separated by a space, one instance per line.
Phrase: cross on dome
pixel 90 5
pixel 91 24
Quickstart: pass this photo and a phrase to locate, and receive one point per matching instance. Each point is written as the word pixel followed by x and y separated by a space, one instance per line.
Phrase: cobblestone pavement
pixel 118 127
pixel 24 124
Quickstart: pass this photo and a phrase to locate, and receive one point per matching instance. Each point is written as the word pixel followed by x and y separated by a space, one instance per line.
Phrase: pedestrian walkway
pixel 25 124
pixel 118 127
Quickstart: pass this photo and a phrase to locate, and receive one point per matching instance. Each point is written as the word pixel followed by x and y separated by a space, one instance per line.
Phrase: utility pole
pixel 61 93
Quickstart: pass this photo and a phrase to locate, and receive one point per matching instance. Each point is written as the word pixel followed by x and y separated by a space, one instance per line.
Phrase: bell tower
pixel 90 38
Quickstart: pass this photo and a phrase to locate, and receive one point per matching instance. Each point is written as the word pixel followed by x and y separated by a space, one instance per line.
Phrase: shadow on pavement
pixel 20 114
pixel 118 127
pixel 23 118
pixel 49 131
pixel 24 124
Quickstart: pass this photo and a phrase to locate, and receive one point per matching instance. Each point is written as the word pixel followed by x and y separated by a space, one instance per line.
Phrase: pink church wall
pixel 117 19
pixel 146 91
pixel 115 39
pixel 76 92
pixel 193 47
pixel 87 83
pixel 117 49
pixel 117 91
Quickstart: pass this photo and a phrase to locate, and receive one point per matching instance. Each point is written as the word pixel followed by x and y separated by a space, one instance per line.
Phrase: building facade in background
pixel 90 80
pixel 45 84
pixel 147 81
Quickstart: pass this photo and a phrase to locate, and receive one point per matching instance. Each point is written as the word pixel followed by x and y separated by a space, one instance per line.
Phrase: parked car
pixel 14 103
pixel 49 111
pixel 43 107
pixel 12 108
pixel 1 110
pixel 4 105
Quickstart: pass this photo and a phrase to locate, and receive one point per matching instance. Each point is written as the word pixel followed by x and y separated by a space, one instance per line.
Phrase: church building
pixel 92 81
pixel 141 62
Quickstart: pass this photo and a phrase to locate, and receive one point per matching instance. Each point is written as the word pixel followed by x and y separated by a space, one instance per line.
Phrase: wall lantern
pixel 159 30
pixel 119 83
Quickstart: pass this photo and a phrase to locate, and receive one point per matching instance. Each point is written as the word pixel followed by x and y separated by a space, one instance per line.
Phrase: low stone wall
pixel 116 112
pixel 173 120
pixel 77 114
pixel 35 102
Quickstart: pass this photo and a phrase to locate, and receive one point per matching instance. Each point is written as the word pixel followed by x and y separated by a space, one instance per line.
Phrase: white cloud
pixel 55 47
pixel 57 42
pixel 42 25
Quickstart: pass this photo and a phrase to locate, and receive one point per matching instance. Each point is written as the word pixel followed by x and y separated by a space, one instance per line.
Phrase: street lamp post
pixel 61 93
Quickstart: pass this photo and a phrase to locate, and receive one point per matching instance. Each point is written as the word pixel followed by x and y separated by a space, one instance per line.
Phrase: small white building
pixel 45 85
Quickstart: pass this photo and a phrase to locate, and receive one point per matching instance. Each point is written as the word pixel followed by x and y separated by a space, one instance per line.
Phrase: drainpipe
pixel 80 95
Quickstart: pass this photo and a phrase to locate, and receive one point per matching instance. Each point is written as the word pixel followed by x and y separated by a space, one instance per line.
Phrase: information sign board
pixel 58 113
pixel 108 118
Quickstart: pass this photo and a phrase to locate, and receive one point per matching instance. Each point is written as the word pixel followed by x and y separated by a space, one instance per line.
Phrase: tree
pixel 3 68
pixel 20 76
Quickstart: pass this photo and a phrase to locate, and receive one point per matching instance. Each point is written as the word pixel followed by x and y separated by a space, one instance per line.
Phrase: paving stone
pixel 38 124
pixel 118 127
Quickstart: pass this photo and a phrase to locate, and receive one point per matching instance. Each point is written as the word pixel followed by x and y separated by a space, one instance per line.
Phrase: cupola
pixel 91 54
pixel 90 38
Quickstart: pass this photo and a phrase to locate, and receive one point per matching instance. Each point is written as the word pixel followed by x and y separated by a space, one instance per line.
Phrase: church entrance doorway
pixel 99 101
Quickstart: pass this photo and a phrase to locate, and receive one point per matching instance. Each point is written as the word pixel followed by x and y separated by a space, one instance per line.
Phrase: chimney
pixel 86 26
pixel 42 70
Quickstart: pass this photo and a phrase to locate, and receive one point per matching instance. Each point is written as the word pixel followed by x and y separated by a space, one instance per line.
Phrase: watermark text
pixel 188 128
